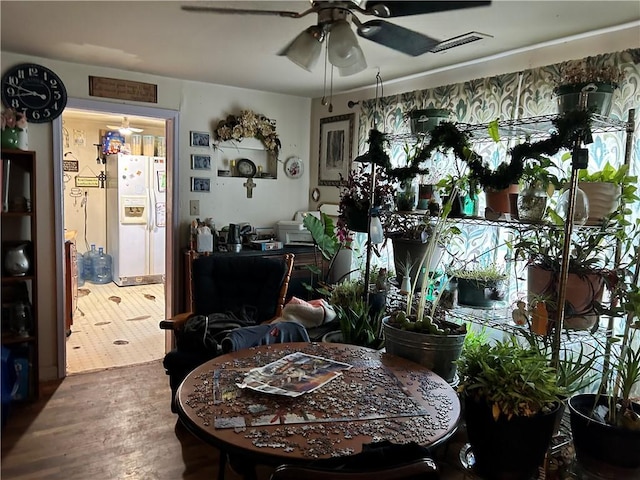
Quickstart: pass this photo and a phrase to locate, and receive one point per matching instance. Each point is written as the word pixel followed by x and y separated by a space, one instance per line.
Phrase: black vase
pixel 507 449
pixel 603 449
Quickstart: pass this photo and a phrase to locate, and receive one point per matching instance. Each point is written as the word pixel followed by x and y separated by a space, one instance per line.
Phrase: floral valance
pixel 249 125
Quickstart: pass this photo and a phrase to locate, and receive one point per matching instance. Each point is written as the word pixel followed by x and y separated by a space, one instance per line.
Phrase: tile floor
pixel 115 326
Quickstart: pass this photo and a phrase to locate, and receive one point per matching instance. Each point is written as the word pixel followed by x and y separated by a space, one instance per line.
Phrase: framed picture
pixel 200 139
pixel 336 147
pixel 199 184
pixel 200 162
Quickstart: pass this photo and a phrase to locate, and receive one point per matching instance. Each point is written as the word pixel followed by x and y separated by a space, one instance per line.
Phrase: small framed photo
pixel 200 162
pixel 200 139
pixel 199 184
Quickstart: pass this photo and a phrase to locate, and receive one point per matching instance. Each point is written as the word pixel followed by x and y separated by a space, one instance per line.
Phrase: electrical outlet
pixel 194 207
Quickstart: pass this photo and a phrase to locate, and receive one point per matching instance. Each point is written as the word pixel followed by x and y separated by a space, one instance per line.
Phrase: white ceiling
pixel 157 37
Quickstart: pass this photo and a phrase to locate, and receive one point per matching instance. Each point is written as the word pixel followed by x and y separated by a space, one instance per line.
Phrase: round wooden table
pixel 382 397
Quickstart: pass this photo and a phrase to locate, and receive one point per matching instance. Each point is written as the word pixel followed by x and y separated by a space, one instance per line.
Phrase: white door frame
pixel 171 252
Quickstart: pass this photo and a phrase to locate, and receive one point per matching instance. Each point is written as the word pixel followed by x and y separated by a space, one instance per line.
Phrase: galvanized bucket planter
pixel 436 352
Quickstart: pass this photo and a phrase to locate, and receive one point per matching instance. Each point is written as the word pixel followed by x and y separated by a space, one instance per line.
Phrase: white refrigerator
pixel 136 218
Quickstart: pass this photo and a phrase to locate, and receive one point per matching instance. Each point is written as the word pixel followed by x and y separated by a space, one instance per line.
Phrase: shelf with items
pixel 248 158
pixel 19 279
pixel 531 127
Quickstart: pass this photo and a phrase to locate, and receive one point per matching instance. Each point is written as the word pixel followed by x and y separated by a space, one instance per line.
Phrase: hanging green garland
pixel 571 127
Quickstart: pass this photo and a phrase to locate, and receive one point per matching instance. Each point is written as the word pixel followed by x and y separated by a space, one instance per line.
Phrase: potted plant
pixel 606 425
pixel 420 331
pixel 466 203
pixel 605 189
pixel 597 82
pixel 480 285
pixel 537 184
pixel 511 402
pixel 410 240
pixel 592 267
pixel 425 120
pixel 355 199
pixel 359 318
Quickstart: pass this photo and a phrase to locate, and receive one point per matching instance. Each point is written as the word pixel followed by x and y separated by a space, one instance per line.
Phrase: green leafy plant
pixel 513 378
pixel 358 325
pixel 486 274
pixel 355 195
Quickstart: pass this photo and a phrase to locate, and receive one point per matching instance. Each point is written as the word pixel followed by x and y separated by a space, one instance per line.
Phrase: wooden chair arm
pixel 289 259
pixel 176 322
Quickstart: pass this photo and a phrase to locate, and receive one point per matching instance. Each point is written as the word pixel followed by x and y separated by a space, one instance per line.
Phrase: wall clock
pixel 34 90
pixel 246 168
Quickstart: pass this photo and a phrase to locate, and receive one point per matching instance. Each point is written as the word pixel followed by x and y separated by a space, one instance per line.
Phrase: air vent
pixel 459 40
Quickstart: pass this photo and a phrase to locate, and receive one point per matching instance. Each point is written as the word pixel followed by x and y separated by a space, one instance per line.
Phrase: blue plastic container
pixel 102 263
pixel 87 261
pixel 80 264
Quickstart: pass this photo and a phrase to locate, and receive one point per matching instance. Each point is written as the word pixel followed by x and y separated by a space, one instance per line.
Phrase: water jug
pixel 80 265
pixel 89 256
pixel 102 267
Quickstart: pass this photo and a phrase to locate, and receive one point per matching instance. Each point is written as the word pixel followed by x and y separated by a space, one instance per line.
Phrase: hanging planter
pixel 595 83
pixel 598 97
pixel 424 121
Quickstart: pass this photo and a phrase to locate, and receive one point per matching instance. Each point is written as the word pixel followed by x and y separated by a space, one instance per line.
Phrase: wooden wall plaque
pixel 123 89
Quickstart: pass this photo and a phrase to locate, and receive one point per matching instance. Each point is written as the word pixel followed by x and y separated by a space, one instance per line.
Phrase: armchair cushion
pixel 248 287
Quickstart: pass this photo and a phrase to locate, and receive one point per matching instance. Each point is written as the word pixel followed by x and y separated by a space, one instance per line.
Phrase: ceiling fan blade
pixel 135 130
pixel 242 11
pixel 403 9
pixel 397 37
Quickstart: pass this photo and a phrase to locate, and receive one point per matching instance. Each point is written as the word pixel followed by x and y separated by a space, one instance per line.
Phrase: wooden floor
pixel 110 425
pixel 116 424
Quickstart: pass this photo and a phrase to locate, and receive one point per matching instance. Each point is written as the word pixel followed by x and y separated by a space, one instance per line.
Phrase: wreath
pixel 571 127
pixel 249 124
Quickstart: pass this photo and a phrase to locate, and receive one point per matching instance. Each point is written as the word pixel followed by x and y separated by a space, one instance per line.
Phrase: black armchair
pixel 229 291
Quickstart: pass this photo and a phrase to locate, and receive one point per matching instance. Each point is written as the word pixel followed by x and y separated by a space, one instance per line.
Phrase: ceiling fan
pixel 334 22
pixel 124 127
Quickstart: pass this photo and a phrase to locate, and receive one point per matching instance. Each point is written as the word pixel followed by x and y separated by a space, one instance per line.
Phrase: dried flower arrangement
pixel 249 124
pixel 586 72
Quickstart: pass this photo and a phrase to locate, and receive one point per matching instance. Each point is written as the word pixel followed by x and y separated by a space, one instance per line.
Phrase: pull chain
pixel 331 92
pixel 324 83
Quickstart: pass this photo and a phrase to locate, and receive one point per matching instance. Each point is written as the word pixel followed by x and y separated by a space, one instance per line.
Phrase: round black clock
pixel 34 90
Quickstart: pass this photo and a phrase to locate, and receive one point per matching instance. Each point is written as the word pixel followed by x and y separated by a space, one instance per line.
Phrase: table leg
pixel 222 464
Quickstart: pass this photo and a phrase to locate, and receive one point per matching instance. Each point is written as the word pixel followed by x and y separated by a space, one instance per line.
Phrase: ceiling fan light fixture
pixel 305 50
pixel 344 50
pixel 357 67
pixel 124 128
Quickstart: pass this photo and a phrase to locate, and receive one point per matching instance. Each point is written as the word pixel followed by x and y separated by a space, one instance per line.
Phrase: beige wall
pixel 200 106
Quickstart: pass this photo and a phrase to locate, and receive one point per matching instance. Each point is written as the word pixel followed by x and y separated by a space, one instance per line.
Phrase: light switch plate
pixel 194 207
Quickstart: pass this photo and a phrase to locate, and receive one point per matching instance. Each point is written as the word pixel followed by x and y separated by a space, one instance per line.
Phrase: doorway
pixel 113 324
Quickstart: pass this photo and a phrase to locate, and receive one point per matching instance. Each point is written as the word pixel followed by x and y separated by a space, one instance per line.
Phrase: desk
pixel 382 397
